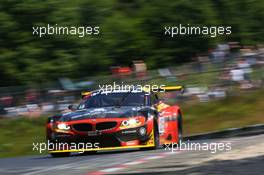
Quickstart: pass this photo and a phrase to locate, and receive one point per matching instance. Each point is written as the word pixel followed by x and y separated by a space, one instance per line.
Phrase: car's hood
pixel 105 112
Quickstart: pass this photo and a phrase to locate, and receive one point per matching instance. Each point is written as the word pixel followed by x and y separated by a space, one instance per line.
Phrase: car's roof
pixel 114 91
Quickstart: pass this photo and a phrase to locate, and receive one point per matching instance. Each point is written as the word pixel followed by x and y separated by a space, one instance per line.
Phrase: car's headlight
pixel 63 126
pixel 130 123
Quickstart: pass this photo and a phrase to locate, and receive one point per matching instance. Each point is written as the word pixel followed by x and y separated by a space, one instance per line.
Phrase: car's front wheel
pixel 156 138
pixel 180 133
pixel 85 153
pixel 66 154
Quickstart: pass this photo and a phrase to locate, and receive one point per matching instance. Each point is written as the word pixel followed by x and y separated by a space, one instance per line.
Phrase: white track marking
pixel 133 163
pixel 109 170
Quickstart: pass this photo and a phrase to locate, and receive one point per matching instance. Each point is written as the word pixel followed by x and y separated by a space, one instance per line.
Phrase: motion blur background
pixel 223 75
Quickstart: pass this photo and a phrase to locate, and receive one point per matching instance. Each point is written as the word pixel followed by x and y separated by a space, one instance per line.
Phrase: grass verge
pixel 233 111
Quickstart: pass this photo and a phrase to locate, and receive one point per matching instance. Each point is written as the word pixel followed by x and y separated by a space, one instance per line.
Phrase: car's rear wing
pixel 172 88
pixel 164 89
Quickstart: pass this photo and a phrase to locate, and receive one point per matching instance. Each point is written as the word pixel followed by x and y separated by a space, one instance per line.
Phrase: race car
pixel 115 120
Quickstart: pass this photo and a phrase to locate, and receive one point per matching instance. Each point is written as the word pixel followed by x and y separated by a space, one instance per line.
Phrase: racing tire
pixel 66 154
pixel 180 132
pixel 86 153
pixel 156 139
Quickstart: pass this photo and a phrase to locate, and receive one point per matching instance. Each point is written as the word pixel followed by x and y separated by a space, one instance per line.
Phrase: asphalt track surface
pixel 245 157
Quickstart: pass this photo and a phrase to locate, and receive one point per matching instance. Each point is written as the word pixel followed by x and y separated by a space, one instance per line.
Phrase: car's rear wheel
pixel 66 154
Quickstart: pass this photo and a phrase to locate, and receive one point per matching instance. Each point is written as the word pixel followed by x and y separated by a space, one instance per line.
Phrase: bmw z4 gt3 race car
pixel 115 120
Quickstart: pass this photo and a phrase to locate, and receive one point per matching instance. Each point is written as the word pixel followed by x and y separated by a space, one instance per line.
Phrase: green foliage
pixel 128 30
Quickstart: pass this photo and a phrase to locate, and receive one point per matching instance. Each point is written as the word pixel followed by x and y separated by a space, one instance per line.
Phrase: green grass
pixel 18 135
pixel 235 111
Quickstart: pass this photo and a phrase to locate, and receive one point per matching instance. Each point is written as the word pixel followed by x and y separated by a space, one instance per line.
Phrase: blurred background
pixel 223 76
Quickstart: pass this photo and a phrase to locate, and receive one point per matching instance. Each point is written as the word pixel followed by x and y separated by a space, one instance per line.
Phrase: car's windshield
pixel 113 99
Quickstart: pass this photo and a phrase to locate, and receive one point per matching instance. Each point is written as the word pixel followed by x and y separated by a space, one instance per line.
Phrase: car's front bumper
pixel 128 138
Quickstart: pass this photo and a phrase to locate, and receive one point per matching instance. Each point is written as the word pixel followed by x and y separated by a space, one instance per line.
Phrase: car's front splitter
pixel 123 145
pixel 103 149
